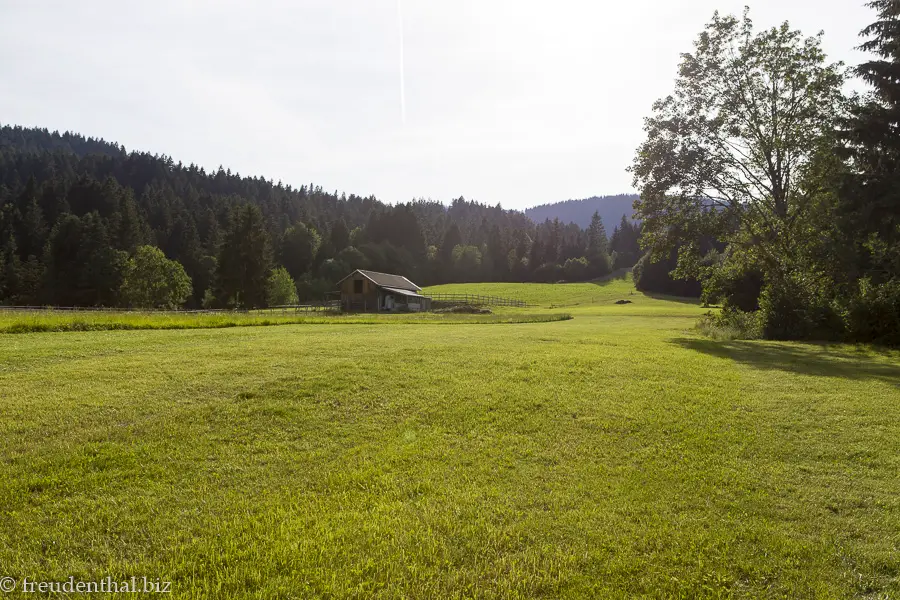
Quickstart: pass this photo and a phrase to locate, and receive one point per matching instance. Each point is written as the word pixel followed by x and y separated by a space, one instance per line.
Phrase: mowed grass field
pixel 16 321
pixel 614 455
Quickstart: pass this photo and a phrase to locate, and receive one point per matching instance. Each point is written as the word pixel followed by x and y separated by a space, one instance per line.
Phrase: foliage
pixel 797 307
pixel 82 268
pixel 153 281
pixel 282 291
pixel 758 150
pixel 732 279
pixel 624 244
pixel 581 212
pixel 297 248
pixel 655 277
pixel 466 262
pixel 728 153
pixel 244 260
pixel 576 269
pixel 141 199
pixel 873 312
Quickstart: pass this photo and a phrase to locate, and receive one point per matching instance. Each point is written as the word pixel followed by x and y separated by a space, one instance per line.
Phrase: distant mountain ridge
pixel 611 209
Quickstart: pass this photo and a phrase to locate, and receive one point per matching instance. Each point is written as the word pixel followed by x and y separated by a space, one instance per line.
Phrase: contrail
pixel 402 65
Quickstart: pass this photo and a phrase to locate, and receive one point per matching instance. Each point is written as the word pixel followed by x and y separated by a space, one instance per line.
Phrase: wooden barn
pixel 370 291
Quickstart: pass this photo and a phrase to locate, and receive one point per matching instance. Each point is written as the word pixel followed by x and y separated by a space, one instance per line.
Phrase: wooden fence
pixel 475 300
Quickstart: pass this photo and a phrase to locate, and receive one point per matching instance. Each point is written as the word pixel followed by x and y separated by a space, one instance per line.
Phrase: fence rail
pixel 476 300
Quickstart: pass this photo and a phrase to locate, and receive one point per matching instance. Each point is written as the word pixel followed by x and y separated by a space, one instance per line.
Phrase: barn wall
pixel 368 300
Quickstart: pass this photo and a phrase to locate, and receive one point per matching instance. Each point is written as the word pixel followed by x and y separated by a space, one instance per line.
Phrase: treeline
pixel 83 222
pixel 759 149
pixel 580 212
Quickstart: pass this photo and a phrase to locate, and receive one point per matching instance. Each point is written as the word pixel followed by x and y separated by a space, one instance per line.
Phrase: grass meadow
pixel 63 321
pixel 617 454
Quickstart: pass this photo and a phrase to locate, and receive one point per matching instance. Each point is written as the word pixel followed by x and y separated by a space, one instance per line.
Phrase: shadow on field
pixel 679 299
pixel 619 274
pixel 807 359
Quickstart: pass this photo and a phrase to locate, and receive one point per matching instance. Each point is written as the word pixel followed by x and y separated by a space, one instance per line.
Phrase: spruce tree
pixel 598 247
pixel 340 235
pixel 870 200
pixel 245 259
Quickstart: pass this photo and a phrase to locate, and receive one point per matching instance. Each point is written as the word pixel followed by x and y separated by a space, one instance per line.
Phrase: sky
pixel 515 102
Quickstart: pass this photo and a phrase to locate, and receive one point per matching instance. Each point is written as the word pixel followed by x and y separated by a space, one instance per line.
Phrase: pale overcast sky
pixel 510 101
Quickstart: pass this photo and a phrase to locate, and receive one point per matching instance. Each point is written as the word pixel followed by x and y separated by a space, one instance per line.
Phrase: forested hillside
pixel 84 222
pixel 580 212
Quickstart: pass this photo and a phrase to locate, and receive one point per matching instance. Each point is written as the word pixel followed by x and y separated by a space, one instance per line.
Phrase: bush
pixel 576 269
pixel 656 277
pixel 600 265
pixel 795 307
pixel 732 282
pixel 313 289
pixel 731 324
pixel 873 313
pixel 548 273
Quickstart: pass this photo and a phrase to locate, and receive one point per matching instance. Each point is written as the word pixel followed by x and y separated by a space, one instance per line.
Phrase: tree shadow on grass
pixel 679 299
pixel 618 275
pixel 821 360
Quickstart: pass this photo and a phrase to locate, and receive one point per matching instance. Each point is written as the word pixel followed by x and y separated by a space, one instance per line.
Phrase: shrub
pixel 548 273
pixel 731 324
pixel 576 269
pixel 732 281
pixel 873 313
pixel 796 307
pixel 656 277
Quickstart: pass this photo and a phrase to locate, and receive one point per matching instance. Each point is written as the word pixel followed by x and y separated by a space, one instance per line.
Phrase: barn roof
pixel 409 293
pixel 386 280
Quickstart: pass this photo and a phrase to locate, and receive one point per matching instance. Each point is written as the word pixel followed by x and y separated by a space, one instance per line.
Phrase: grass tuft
pixel 730 325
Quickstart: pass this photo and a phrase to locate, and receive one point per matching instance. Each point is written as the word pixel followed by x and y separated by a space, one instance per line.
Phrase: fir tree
pixel 245 259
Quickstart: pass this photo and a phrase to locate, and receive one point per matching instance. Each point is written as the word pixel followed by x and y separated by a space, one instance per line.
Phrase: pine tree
pixel 340 235
pixel 245 259
pixel 598 247
pixel 452 239
pixel 870 201
pixel 551 249
pixel 10 272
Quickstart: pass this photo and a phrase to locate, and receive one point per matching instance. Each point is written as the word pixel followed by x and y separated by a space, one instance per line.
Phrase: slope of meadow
pixel 597 297
pixel 612 455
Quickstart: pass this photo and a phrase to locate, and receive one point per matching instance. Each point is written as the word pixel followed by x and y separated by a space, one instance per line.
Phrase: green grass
pixel 591 297
pixel 614 455
pixel 59 321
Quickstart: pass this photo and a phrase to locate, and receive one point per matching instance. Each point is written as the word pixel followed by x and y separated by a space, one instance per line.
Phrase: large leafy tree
pixel 298 248
pixel 154 281
pixel 732 154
